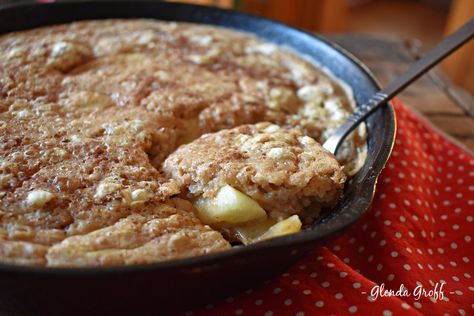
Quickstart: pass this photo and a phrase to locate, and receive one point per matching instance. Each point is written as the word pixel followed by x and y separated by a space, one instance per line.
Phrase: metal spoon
pixel 443 49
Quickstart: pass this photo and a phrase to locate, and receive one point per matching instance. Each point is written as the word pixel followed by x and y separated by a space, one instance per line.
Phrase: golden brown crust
pixel 90 110
pixel 144 237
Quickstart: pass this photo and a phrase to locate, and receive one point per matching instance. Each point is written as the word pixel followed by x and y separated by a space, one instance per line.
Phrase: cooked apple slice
pixel 229 207
pixel 290 225
pixel 248 233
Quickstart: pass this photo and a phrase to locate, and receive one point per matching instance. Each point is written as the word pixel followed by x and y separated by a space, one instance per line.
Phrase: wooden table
pixel 448 107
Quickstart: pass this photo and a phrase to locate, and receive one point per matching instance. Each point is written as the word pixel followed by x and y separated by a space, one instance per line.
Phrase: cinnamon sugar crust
pixel 92 117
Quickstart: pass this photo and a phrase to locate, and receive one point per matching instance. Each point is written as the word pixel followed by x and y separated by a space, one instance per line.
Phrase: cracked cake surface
pixel 92 117
pixel 280 168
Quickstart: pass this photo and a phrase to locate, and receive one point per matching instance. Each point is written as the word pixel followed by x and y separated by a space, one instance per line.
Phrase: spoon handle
pixel 443 49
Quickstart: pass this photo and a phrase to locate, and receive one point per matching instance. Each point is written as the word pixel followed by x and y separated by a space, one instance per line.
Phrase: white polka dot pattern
pixel 418 233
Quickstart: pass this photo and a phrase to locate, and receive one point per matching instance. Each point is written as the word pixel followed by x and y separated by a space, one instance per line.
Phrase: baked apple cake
pixel 137 141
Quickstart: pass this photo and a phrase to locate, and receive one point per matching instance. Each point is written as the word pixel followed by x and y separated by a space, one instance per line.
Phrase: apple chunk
pixel 250 232
pixel 267 228
pixel 229 207
pixel 287 226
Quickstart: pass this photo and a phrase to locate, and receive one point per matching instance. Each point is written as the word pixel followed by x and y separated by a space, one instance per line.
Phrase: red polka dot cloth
pixel 418 233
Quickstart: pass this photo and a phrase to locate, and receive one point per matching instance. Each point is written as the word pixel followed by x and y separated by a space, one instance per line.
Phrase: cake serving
pixel 137 141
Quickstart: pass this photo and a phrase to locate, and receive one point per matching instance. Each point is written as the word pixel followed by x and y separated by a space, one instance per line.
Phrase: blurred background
pixel 424 20
pixel 388 36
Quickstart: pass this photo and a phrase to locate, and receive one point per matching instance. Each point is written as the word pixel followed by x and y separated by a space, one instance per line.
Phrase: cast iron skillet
pixel 155 288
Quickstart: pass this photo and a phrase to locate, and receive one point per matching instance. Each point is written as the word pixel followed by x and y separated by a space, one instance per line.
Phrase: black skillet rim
pixel 304 237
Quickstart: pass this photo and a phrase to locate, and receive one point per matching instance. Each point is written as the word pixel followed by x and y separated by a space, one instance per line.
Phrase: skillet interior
pixel 174 283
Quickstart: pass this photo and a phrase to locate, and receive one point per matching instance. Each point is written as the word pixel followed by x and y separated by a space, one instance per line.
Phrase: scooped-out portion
pixel 255 173
pixel 136 141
